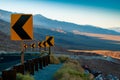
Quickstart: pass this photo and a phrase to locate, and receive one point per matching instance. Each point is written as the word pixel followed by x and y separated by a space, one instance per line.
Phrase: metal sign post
pixel 49 42
pixel 22 52
pixel 21 29
pixel 49 50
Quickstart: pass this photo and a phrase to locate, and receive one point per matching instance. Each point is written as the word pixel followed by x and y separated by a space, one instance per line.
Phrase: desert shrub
pixel 54 59
pixel 63 58
pixel 19 76
pixel 71 70
pixel 43 53
pixel 24 77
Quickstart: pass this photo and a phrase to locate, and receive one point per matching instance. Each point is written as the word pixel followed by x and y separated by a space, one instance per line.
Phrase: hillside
pixel 44 22
pixel 6 44
pixel 115 29
pixel 5 27
pixel 67 40
pixel 64 37
pixel 72 41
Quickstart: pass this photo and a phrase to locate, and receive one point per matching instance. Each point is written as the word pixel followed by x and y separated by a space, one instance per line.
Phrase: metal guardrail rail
pixel 30 66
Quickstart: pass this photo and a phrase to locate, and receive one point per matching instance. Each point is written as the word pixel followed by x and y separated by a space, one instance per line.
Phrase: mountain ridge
pixel 65 40
pixel 47 23
pixel 117 29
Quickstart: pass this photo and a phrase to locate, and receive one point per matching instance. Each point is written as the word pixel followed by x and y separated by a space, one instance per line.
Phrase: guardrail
pixel 30 66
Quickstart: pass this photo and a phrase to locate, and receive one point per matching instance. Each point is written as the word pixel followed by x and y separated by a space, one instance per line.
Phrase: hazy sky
pixel 102 13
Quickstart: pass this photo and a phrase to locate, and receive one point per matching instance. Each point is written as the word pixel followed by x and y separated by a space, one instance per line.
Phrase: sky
pixel 101 13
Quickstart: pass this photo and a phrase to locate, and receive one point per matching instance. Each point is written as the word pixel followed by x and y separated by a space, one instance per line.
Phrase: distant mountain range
pixel 117 29
pixel 44 22
pixel 6 44
pixel 63 33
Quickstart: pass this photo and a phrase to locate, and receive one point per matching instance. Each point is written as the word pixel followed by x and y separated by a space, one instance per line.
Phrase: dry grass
pixel 54 59
pixel 63 58
pixel 72 70
pixel 24 77
pixel 59 59
pixel 43 53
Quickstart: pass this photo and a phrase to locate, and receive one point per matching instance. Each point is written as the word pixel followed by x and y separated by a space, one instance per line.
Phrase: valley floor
pixel 101 62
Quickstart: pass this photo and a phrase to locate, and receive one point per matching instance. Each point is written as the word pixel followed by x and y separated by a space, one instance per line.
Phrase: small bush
pixel 24 77
pixel 19 76
pixel 63 58
pixel 54 59
pixel 71 70
pixel 43 53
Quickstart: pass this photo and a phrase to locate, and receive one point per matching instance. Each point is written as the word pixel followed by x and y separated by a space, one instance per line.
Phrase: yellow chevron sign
pixel 25 46
pixel 33 45
pixel 43 44
pixel 49 41
pixel 21 27
pixel 39 44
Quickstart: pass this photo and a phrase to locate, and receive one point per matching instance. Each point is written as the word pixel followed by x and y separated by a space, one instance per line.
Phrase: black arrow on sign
pixel 33 45
pixel 18 27
pixel 44 43
pixel 48 41
pixel 25 46
pixel 39 44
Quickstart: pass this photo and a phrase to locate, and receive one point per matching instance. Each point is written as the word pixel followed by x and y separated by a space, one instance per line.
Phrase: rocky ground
pixel 104 65
pixel 101 65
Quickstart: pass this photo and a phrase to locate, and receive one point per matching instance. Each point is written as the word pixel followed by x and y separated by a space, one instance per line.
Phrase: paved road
pixel 47 73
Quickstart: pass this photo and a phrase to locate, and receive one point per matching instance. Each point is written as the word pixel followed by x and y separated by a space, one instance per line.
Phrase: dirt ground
pixel 105 67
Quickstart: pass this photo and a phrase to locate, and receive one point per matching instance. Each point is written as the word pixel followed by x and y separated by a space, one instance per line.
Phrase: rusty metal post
pixel 19 68
pixel 49 50
pixel 26 66
pixel 36 64
pixel 40 63
pixel 32 65
pixel 43 58
pixel 22 52
pixel 46 60
pixel 9 74
pixel 1 78
pixel 29 66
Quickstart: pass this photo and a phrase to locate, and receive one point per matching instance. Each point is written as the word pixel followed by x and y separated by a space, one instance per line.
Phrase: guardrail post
pixel 43 58
pixel 19 68
pixel 1 78
pixel 29 66
pixel 9 74
pixel 40 63
pixel 26 67
pixel 46 57
pixel 36 64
